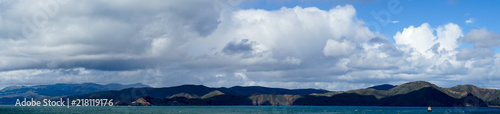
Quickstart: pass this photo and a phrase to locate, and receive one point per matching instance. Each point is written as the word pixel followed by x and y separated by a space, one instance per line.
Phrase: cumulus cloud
pixel 338 49
pixel 423 40
pixel 439 56
pixel 448 36
pixel 481 56
pixel 466 54
pixel 419 39
pixel 482 38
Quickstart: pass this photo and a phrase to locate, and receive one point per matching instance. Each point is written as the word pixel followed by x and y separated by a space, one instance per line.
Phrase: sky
pixel 325 44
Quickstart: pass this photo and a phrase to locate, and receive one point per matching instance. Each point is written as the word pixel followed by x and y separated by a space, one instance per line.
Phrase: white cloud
pixel 448 36
pixel 483 38
pixel 420 38
pixel 469 21
pixel 158 46
pixel 466 54
pixel 338 49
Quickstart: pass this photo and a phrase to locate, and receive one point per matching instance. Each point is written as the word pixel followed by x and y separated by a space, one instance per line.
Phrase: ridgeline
pixel 419 93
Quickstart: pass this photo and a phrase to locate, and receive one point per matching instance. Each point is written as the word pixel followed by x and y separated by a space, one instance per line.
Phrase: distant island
pixel 419 93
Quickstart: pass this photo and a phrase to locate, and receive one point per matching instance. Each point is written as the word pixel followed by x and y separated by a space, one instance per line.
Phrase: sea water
pixel 246 109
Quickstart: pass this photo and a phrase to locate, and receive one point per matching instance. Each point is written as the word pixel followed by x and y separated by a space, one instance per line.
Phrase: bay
pixel 245 109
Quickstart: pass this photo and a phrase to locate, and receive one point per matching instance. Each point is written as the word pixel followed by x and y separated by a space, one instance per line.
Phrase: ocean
pixel 246 109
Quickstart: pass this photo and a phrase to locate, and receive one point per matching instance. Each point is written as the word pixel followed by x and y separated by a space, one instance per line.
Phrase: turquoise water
pixel 246 109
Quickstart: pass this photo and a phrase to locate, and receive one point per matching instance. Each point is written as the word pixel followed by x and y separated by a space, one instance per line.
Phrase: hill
pixel 9 94
pixel 419 93
pixel 194 92
pixel 382 87
pixel 490 96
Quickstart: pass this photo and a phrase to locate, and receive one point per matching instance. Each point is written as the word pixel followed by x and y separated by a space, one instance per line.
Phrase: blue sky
pixel 327 44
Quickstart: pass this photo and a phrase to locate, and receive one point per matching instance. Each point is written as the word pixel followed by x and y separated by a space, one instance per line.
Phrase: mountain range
pixel 9 95
pixel 419 93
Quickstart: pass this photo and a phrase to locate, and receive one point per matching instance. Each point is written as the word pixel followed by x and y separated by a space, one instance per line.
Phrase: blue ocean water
pixel 247 110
